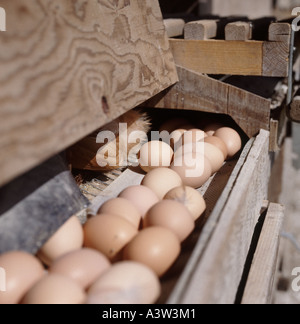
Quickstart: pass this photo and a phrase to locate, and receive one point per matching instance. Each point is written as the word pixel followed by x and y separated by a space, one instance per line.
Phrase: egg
pixel 215 157
pixel 194 169
pixel 212 128
pixel 55 289
pixel 190 198
pixel 216 141
pixel 170 125
pixel 22 271
pixel 193 136
pixel 161 181
pixel 143 198
pixel 232 140
pixel 156 247
pixel 172 215
pixel 83 266
pixel 123 208
pixel 155 154
pixel 68 238
pixel 108 234
pixel 125 282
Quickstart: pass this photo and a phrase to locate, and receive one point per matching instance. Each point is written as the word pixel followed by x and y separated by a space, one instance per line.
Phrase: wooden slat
pixel 219 57
pixel 216 277
pixel 69 67
pixel 234 58
pixel 261 277
pixel 238 31
pixel 294 111
pixel 174 27
pixel 201 30
pixel 195 91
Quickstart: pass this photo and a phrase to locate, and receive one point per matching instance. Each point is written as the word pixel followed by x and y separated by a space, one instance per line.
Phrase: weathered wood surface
pixel 294 111
pixel 69 67
pixel 260 281
pixel 174 27
pixel 233 58
pixel 195 91
pixel 216 277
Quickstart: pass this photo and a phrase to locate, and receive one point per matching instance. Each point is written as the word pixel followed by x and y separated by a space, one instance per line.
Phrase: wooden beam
pixel 195 91
pixel 174 27
pixel 70 67
pixel 233 58
pixel 294 111
pixel 261 277
pixel 280 32
pixel 201 30
pixel 238 31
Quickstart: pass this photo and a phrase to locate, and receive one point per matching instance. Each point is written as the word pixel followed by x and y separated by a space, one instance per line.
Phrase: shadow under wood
pixel 211 197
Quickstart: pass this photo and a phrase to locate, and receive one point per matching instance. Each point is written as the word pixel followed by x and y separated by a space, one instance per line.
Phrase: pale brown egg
pixel 170 125
pixel 126 283
pixel 194 169
pixel 108 234
pixel 173 216
pixel 143 198
pixel 156 247
pixel 83 266
pixel 216 141
pixel 190 198
pixel 22 270
pixel 162 180
pixel 55 289
pixel 155 154
pixel 193 136
pixel 232 140
pixel 212 128
pixel 215 157
pixel 123 208
pixel 68 238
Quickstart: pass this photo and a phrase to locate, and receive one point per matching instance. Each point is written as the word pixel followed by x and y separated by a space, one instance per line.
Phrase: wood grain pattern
pixel 219 57
pixel 200 30
pixel 238 31
pixel 261 277
pixel 70 66
pixel 195 91
pixel 216 277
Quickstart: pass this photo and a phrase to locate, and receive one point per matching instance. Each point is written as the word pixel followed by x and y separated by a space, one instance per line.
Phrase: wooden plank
pixel 216 277
pixel 280 32
pixel 195 91
pixel 200 30
pixel 69 67
pixel 294 111
pixel 261 277
pixel 238 31
pixel 174 27
pixel 219 57
pixel 211 224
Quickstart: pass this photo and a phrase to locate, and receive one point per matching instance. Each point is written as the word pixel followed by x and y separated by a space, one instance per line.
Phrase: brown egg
pixel 216 141
pixel 194 169
pixel 215 157
pixel 55 289
pixel 155 154
pixel 143 198
pixel 126 283
pixel 172 215
pixel 123 208
pixel 156 247
pixel 161 181
pixel 212 128
pixel 232 140
pixel 193 136
pixel 176 138
pixel 170 125
pixel 22 271
pixel 68 238
pixel 190 198
pixel 83 266
pixel 108 234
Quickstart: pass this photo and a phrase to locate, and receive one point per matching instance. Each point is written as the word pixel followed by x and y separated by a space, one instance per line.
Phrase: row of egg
pixel 193 153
